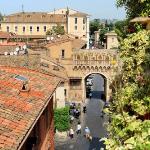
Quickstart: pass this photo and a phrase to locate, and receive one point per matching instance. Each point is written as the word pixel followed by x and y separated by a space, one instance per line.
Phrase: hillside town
pixel 71 82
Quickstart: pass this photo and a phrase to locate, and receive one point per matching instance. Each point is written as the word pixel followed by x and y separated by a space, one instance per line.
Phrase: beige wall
pixel 55 51
pixel 27 28
pixel 112 41
pixel 81 28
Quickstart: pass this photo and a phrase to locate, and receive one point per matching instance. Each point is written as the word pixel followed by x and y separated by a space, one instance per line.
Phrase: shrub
pixel 61 118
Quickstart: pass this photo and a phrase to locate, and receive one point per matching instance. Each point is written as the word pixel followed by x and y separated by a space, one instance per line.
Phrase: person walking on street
pixel 87 132
pixel 78 128
pixel 84 109
pixel 90 95
pixel 71 133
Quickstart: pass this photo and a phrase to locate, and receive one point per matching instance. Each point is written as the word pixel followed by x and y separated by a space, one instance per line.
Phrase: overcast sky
pixel 96 8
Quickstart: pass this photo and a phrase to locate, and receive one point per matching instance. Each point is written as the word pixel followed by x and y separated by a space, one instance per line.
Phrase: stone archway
pixel 107 91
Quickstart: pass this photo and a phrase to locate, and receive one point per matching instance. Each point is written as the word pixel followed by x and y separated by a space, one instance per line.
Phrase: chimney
pixel 25 87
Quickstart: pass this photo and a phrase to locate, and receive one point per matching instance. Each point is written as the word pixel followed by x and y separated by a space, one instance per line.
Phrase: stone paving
pixel 94 121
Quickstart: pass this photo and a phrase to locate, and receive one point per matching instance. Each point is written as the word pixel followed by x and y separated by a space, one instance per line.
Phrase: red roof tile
pixel 19 110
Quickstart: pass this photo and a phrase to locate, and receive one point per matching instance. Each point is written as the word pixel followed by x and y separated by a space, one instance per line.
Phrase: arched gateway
pixel 85 62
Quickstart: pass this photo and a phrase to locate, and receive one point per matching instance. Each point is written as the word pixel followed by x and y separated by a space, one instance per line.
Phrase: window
pixel 7 28
pixel 44 28
pixel 75 27
pixel 38 29
pixel 62 53
pixel 65 92
pixel 76 20
pixel 30 28
pixel 112 39
pixel 0 26
pixel 83 27
pixel 24 29
pixel 16 28
pixel 84 20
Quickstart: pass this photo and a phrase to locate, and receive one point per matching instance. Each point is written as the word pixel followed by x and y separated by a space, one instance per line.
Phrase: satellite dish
pixel 17 49
pixel 15 53
pixel 48 38
pixel 5 53
pixel 11 53
pixel 24 47
pixel 52 37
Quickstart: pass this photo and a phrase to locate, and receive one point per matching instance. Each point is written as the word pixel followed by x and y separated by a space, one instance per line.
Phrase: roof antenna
pixel 54 11
pixel 22 8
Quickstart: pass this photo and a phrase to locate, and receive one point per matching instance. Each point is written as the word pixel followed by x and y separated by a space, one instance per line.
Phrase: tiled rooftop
pixel 18 110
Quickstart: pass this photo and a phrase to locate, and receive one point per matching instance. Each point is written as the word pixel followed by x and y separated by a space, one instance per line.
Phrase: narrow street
pixel 93 120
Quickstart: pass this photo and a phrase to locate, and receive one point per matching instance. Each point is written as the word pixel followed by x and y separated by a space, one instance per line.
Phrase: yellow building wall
pixel 27 28
pixel 81 28
pixel 55 51
pixel 112 42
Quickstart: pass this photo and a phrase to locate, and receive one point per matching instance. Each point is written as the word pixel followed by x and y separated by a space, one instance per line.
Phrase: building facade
pixel 38 23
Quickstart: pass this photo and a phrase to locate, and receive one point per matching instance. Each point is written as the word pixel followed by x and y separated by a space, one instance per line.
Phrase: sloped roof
pixel 78 43
pixel 19 110
pixel 34 17
pixel 140 19
pixel 79 14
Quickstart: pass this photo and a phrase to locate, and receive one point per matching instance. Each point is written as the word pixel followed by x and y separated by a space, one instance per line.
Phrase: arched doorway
pixel 95 86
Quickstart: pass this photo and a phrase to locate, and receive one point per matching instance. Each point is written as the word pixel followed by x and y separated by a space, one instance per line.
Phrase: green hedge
pixel 61 119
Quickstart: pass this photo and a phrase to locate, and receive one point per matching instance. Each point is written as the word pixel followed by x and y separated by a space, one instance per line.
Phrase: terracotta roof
pixel 35 17
pixel 4 35
pixel 19 110
pixel 140 19
pixel 79 14
pixel 78 43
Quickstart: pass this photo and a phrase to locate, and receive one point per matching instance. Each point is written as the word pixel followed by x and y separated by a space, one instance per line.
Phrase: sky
pixel 103 9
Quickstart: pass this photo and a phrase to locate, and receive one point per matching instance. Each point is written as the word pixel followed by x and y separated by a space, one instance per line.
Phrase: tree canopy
pixel 135 8
pixel 1 17
pixel 94 26
pixel 57 30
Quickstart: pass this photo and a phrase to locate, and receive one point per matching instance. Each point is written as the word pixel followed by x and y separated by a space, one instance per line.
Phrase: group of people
pixel 75 113
pixel 78 131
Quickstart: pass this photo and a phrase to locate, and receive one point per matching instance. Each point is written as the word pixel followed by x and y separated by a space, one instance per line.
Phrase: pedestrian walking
pixel 71 119
pixel 84 109
pixel 90 95
pixel 78 128
pixel 71 133
pixel 87 132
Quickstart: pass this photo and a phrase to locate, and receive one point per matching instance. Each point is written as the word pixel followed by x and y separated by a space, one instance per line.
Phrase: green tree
pixel 135 8
pixel 130 108
pixel 57 30
pixel 121 28
pixel 94 26
pixel 1 17
pixel 61 119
